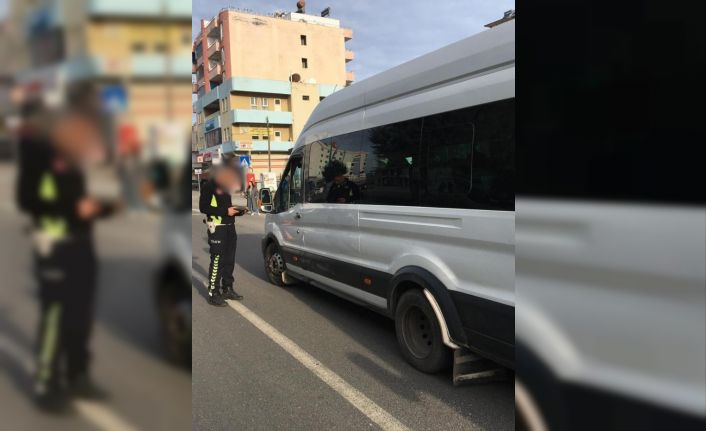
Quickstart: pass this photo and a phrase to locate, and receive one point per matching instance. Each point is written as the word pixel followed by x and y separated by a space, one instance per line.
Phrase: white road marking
pixel 359 400
pixel 101 416
pixel 98 414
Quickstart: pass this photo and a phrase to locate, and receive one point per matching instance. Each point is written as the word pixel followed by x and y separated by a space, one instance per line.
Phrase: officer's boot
pixel 51 398
pixel 229 293
pixel 215 298
pixel 82 386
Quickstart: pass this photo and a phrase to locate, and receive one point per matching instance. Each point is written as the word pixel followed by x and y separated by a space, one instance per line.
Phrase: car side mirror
pixel 265 200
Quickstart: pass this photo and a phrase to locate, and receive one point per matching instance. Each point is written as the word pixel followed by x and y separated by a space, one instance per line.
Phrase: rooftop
pixel 507 16
pixel 287 16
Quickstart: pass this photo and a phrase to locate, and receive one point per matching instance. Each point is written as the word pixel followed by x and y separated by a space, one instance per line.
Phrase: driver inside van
pixel 342 190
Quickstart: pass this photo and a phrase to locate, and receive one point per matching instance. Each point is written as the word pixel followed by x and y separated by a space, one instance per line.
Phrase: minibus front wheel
pixel 419 333
pixel 275 267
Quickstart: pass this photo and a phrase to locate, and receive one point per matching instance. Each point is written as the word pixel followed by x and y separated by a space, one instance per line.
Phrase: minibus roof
pixel 475 55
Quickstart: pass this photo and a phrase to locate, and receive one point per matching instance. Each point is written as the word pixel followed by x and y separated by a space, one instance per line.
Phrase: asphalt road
pixel 243 379
pixel 145 392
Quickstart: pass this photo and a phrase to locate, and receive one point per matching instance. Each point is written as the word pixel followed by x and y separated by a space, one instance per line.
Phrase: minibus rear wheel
pixel 419 333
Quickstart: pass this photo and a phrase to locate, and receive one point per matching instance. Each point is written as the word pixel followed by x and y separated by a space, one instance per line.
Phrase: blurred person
pixel 249 196
pixel 216 203
pixel 253 196
pixel 250 177
pixel 51 189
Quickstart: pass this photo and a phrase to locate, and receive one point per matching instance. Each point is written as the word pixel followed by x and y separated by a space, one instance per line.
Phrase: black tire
pixel 275 265
pixel 175 321
pixel 419 333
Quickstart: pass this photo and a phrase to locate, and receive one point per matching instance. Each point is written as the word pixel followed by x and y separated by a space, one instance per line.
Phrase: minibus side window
pixel 295 182
pixel 331 162
pixel 391 164
pixel 447 166
pixel 282 194
pixel 494 157
pixel 469 158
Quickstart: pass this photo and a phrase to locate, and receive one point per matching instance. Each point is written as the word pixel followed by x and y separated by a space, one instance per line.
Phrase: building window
pixel 321 98
pixel 264 103
pixel 305 97
pixel 253 103
pixel 278 134
pixel 255 138
pixel 186 39
pixel 278 102
pixel 302 39
pixel 138 47
pixel 305 63
pixel 213 137
pixel 161 47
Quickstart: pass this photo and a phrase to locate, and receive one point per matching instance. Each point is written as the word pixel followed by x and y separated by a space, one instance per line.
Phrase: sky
pixel 385 32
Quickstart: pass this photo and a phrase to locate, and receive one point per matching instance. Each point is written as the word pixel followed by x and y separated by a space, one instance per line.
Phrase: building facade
pixel 257 78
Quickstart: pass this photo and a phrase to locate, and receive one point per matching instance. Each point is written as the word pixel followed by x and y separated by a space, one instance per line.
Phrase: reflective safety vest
pixel 214 204
pixel 55 227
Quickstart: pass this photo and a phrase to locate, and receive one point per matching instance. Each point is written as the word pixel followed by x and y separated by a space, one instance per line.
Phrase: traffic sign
pixel 245 161
pixel 114 98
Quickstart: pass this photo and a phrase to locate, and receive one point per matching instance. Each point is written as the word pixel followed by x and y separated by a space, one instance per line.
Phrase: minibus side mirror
pixel 265 200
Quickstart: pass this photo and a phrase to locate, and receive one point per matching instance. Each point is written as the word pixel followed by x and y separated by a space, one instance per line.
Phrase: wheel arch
pixel 412 277
pixel 267 240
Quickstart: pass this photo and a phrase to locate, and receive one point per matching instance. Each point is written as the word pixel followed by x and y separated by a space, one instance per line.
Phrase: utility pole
pixel 269 149
pixel 167 61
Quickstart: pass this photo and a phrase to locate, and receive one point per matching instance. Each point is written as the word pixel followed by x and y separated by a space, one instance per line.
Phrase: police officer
pixel 52 190
pixel 215 201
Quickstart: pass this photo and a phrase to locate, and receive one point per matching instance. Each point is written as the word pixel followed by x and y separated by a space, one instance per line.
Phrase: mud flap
pixel 471 368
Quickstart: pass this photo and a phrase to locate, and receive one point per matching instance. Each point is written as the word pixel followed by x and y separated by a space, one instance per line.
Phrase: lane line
pixel 355 397
pixel 96 413
pixel 101 416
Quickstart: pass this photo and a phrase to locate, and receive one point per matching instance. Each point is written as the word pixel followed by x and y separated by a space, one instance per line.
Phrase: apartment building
pixel 257 79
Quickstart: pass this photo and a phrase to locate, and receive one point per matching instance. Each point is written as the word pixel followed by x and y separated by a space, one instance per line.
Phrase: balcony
pixel 198 71
pixel 350 77
pixel 139 8
pixel 350 56
pixel 347 34
pixel 214 49
pixel 150 65
pixel 279 146
pixel 258 117
pixel 275 146
pixel 216 73
pixel 212 29
pixel 212 122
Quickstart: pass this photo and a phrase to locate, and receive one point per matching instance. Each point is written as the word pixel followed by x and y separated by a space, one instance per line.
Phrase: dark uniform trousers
pixel 67 285
pixel 222 244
